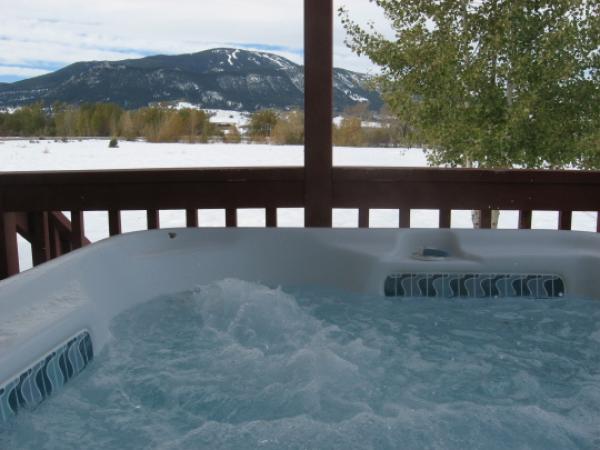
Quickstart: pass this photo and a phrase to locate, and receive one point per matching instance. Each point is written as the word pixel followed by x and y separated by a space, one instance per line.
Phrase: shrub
pixel 289 129
pixel 232 135
pixel 262 124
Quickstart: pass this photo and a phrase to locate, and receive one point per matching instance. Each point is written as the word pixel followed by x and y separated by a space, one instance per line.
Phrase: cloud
pixel 16 72
pixel 39 34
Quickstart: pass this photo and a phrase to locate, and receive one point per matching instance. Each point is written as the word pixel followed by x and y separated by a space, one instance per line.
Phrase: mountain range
pixel 223 78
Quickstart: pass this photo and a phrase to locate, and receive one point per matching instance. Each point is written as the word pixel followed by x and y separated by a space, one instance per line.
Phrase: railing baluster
pixel 363 217
pixel 525 220
pixel 486 219
pixel 565 219
pixel 191 218
pixel 153 219
pixel 40 247
pixel 9 251
pixel 77 230
pixel 598 222
pixel 114 222
pixel 271 217
pixel 231 217
pixel 405 218
pixel 55 241
pixel 445 218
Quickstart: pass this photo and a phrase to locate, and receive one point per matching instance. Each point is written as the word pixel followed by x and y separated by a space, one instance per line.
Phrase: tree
pixel 289 129
pixel 232 135
pixel 349 133
pixel 126 127
pixel 492 83
pixel 174 126
pixel 262 124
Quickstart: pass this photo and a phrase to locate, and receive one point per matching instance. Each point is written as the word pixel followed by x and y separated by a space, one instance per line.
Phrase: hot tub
pixel 55 318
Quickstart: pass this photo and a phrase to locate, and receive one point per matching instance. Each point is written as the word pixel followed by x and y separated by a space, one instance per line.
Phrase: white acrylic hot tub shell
pixel 43 307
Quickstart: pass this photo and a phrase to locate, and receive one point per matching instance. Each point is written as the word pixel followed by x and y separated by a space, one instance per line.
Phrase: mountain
pixel 218 79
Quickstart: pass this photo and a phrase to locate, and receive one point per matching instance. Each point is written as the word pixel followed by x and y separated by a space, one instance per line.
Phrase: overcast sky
pixel 40 36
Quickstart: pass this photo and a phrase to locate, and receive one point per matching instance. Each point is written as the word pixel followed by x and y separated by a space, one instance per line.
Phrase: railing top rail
pixel 340 173
pixel 130 176
pixel 438 174
pixel 280 187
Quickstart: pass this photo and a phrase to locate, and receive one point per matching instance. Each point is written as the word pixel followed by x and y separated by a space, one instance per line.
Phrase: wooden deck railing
pixel 30 203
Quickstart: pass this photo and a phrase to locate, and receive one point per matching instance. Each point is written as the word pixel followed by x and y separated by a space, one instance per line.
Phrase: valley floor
pixel 23 155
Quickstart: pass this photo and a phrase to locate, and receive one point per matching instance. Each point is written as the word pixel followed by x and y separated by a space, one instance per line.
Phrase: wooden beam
pixel 318 107
pixel 153 189
pixel 474 189
pixel 9 251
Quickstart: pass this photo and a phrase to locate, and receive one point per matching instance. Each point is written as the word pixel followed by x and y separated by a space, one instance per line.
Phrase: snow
pixel 237 118
pixel 337 121
pixel 185 105
pixel 23 155
pixel 223 116
pixel 372 124
pixel 275 60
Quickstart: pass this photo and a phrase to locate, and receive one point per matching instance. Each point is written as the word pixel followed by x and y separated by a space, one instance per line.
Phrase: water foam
pixel 240 365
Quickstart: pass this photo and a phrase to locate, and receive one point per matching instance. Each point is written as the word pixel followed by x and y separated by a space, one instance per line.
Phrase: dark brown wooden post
pixel 598 222
pixel 271 217
pixel 405 218
pixel 153 219
pixel 363 217
pixel 9 253
pixel 445 218
pixel 485 222
pixel 56 248
pixel 318 110
pixel 40 246
pixel 77 230
pixel 191 218
pixel 114 222
pixel 565 219
pixel 231 217
pixel 525 220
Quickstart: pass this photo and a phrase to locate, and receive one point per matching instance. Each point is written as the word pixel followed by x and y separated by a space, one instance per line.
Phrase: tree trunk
pixel 476 218
pixel 476 214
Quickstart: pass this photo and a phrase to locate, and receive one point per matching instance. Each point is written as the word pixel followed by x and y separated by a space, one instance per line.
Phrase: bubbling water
pixel 240 365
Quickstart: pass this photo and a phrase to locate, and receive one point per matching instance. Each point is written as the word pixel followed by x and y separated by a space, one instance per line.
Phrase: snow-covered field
pixel 95 154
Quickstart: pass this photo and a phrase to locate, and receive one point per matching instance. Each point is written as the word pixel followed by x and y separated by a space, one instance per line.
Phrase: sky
pixel 41 36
